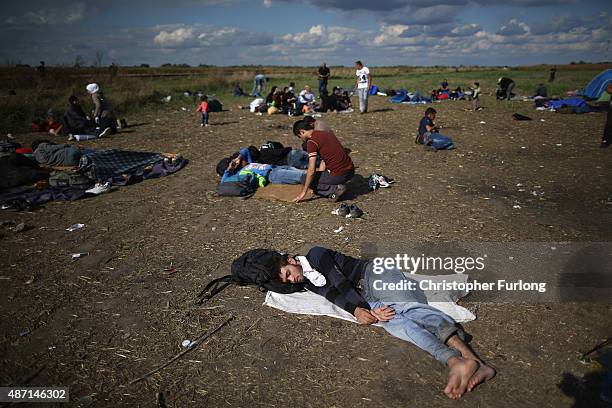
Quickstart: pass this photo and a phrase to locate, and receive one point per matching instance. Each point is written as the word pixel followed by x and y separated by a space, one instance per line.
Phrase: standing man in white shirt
pixel 364 81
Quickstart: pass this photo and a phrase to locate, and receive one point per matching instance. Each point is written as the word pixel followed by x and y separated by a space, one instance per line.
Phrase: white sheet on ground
pixel 312 304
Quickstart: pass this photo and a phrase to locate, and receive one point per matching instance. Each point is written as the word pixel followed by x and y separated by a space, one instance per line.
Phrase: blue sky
pixel 306 32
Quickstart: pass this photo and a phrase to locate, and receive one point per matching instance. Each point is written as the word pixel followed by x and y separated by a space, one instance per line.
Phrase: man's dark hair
pixel 358 62
pixel 430 110
pixel 477 83
pixel 73 99
pixel 278 263
pixel 302 125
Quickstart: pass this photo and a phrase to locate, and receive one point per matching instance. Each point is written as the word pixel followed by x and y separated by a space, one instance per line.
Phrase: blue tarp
pixel 373 90
pixel 571 102
pixel 400 96
pixel 403 96
pixel 598 85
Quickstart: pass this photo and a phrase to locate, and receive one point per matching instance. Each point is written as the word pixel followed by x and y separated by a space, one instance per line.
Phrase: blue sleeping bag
pixel 400 96
pixel 571 102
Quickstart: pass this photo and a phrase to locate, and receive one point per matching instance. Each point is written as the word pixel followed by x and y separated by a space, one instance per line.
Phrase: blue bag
pixel 439 142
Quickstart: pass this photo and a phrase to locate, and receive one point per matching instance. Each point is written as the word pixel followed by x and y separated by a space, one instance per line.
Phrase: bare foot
pixel 461 370
pixel 484 373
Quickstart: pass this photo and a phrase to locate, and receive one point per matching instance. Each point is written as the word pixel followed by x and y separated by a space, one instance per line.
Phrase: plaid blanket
pixel 103 165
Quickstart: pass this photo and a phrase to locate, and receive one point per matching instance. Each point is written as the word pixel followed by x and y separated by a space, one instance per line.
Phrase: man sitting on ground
pixel 505 86
pixel 76 122
pixel 336 166
pixel 349 283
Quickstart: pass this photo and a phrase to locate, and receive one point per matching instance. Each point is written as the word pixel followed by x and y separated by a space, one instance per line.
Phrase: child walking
pixel 203 107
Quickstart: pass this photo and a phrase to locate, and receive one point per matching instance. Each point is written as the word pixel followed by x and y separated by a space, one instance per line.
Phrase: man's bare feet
pixel 461 370
pixel 484 373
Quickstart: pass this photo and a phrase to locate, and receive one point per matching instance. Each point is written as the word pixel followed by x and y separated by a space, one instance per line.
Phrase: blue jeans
pixel 205 118
pixel 286 175
pixel 297 158
pixel 258 85
pixel 414 321
pixel 322 86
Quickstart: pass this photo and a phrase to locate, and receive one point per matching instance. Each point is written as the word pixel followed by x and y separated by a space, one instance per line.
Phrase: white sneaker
pixel 100 188
pixel 104 132
pixel 70 137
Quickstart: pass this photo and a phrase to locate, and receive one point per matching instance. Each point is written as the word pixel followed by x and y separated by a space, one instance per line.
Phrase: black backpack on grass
pixel 254 267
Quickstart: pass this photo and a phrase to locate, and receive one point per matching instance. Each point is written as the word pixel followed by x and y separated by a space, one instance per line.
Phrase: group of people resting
pixel 322 164
pixel 286 101
pixel 75 121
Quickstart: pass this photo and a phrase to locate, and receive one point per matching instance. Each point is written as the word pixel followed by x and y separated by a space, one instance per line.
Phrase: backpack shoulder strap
pixel 215 286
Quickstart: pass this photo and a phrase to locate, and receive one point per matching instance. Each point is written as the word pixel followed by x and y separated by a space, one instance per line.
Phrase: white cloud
pixel 177 38
pixel 267 3
pixel 326 38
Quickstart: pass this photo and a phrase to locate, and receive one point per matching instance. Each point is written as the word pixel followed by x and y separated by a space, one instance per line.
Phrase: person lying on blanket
pixel 349 283
pixel 242 167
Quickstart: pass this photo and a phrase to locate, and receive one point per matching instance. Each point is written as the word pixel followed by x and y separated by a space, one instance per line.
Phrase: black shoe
pixel 355 212
pixel 342 211
pixel 340 189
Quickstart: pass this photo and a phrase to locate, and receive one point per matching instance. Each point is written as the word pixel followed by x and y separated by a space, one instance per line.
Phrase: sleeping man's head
pixel 290 271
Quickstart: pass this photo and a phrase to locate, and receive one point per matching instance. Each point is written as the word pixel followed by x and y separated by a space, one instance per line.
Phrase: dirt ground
pixel 95 324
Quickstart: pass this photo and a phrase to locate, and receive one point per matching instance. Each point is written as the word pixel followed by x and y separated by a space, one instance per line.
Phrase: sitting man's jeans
pixel 286 175
pixel 414 321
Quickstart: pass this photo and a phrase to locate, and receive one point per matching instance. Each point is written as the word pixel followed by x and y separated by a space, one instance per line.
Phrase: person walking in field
pixel 364 81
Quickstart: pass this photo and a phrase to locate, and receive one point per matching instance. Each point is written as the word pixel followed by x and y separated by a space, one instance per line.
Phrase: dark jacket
pixel 75 121
pixel 342 274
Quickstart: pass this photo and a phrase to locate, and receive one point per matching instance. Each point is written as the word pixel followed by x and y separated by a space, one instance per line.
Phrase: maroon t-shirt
pixel 331 151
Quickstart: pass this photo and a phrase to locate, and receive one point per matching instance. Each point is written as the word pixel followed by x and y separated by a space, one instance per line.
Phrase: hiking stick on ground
pixel 192 346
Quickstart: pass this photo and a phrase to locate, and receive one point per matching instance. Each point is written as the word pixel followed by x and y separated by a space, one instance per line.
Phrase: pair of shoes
pixel 340 190
pixel 348 211
pixel 378 181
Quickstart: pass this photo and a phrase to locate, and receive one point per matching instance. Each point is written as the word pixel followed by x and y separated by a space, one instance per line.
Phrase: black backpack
pixel 254 267
pixel 241 188
pixel 271 145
